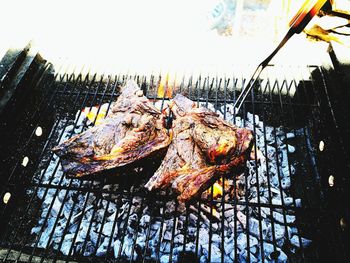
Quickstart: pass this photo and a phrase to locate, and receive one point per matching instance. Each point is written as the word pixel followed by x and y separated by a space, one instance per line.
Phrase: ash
pixel 86 223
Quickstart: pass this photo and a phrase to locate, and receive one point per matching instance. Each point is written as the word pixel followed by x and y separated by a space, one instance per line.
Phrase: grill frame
pixel 17 184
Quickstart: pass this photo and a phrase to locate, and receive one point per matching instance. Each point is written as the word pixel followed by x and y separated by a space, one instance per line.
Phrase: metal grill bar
pixel 75 105
pixel 269 189
pixel 165 197
pixel 83 128
pixel 246 192
pixel 257 179
pixel 289 166
pixel 235 185
pixel 277 86
pixel 90 184
pixel 66 193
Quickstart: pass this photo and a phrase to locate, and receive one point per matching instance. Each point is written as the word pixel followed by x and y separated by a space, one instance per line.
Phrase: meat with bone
pixel 203 147
pixel 132 131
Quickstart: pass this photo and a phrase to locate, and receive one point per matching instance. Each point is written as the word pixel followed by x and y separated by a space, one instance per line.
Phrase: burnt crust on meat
pixel 203 147
pixel 132 131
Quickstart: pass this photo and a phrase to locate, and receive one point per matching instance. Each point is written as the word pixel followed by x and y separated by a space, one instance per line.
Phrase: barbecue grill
pixel 293 212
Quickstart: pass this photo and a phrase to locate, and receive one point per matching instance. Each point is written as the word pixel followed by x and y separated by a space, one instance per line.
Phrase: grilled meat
pixel 132 131
pixel 203 147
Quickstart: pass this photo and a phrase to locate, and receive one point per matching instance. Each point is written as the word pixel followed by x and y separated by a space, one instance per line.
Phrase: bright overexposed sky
pixel 138 35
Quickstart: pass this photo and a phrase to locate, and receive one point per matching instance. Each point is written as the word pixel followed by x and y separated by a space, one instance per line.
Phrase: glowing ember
pixel 217 190
pixel 96 113
pixel 165 88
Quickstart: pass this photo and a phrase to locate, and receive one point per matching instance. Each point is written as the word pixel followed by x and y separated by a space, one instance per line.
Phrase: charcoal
pixel 128 247
pixel 229 214
pixel 93 236
pixel 254 227
pixel 203 259
pixel 164 258
pixel 71 229
pixel 243 255
pixel 167 236
pixel 296 242
pixel 254 249
pixel 232 255
pixel 282 256
pixel 298 202
pixel 165 247
pixel 102 249
pixel 112 217
pixel 107 229
pixel 279 218
pixel 116 248
pixel 215 254
pixel 191 231
pixel 89 249
pixel 290 135
pixel 229 245
pixel 215 226
pixel 145 219
pixel 66 244
pixel 36 230
pixel 216 239
pixel 193 218
pixel 179 239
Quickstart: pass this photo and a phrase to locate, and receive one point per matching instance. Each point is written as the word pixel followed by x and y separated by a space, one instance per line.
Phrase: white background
pixel 141 36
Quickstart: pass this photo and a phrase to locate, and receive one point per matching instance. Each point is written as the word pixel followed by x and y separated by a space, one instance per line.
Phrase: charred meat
pixel 132 131
pixel 203 147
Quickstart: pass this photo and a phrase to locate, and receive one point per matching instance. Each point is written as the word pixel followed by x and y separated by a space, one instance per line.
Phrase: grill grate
pixel 287 105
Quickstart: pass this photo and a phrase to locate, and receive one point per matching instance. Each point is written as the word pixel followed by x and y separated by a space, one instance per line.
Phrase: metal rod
pixel 257 179
pixel 246 90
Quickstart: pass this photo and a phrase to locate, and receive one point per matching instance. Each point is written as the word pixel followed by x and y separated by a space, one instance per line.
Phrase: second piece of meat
pixel 204 146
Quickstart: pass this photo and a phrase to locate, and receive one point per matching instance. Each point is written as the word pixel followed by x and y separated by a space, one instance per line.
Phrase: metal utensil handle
pixel 306 12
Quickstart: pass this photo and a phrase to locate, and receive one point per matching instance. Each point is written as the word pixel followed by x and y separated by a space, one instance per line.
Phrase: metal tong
pixel 308 10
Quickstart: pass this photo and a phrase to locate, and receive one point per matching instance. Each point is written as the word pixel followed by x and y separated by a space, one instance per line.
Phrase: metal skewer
pixel 308 10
